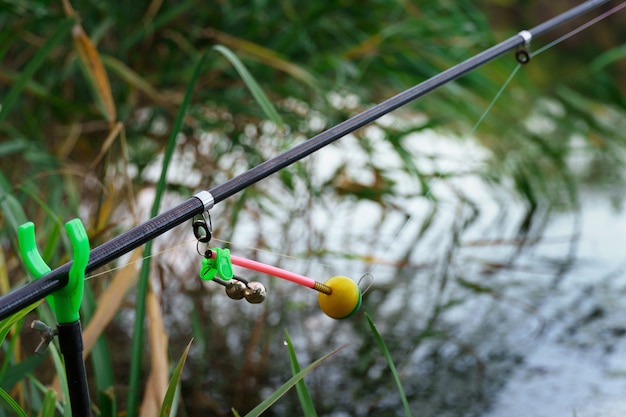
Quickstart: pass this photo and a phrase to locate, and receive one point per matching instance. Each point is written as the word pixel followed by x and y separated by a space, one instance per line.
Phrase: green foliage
pixel 33 65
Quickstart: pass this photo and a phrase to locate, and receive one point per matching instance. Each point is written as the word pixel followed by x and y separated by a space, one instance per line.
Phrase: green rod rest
pixel 65 302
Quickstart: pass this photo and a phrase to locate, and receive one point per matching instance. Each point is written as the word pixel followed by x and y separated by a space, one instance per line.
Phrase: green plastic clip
pixel 65 302
pixel 221 265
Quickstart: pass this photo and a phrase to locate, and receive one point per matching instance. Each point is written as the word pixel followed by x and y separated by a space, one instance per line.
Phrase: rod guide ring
pixel 526 36
pixel 206 198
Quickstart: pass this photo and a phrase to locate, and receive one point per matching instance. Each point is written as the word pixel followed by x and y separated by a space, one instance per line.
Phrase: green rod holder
pixel 66 302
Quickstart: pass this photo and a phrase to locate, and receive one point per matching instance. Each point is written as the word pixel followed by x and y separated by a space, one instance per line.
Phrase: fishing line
pixel 153 255
pixel 580 28
pixel 269 252
pixel 365 282
pixel 278 254
pixel 439 177
pixel 189 242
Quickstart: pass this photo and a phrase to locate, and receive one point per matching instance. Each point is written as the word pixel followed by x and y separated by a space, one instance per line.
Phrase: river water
pixel 577 366
pixel 483 316
pixel 543 320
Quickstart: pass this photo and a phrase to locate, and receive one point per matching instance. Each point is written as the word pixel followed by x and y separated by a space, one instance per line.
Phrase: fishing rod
pixel 203 201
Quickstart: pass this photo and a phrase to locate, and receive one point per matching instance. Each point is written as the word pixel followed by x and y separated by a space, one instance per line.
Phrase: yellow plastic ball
pixel 344 299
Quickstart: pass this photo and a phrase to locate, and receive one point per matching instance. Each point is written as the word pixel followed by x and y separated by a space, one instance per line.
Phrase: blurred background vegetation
pixel 89 92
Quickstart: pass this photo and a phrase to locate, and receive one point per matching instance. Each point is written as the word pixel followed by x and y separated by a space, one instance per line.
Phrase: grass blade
pixel 303 393
pixel 49 404
pixel 263 55
pixel 12 404
pixel 5 284
pixel 155 388
pixel 36 386
pixel 9 205
pixel 95 73
pixel 33 65
pixel 7 324
pixel 100 360
pixel 133 79
pixel 253 86
pixel 60 370
pixel 19 370
pixel 110 301
pixel 276 395
pixel 35 89
pixel 166 408
pixel 392 367
pixel 145 30
pixel 608 58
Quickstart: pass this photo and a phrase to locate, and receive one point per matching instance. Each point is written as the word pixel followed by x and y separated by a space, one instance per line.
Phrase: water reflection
pixel 486 310
pixel 577 365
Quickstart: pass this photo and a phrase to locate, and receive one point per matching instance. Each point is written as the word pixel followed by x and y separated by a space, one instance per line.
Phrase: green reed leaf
pixel 170 394
pixel 303 393
pixel 383 347
pixel 254 87
pixel 12 403
pixel 276 395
